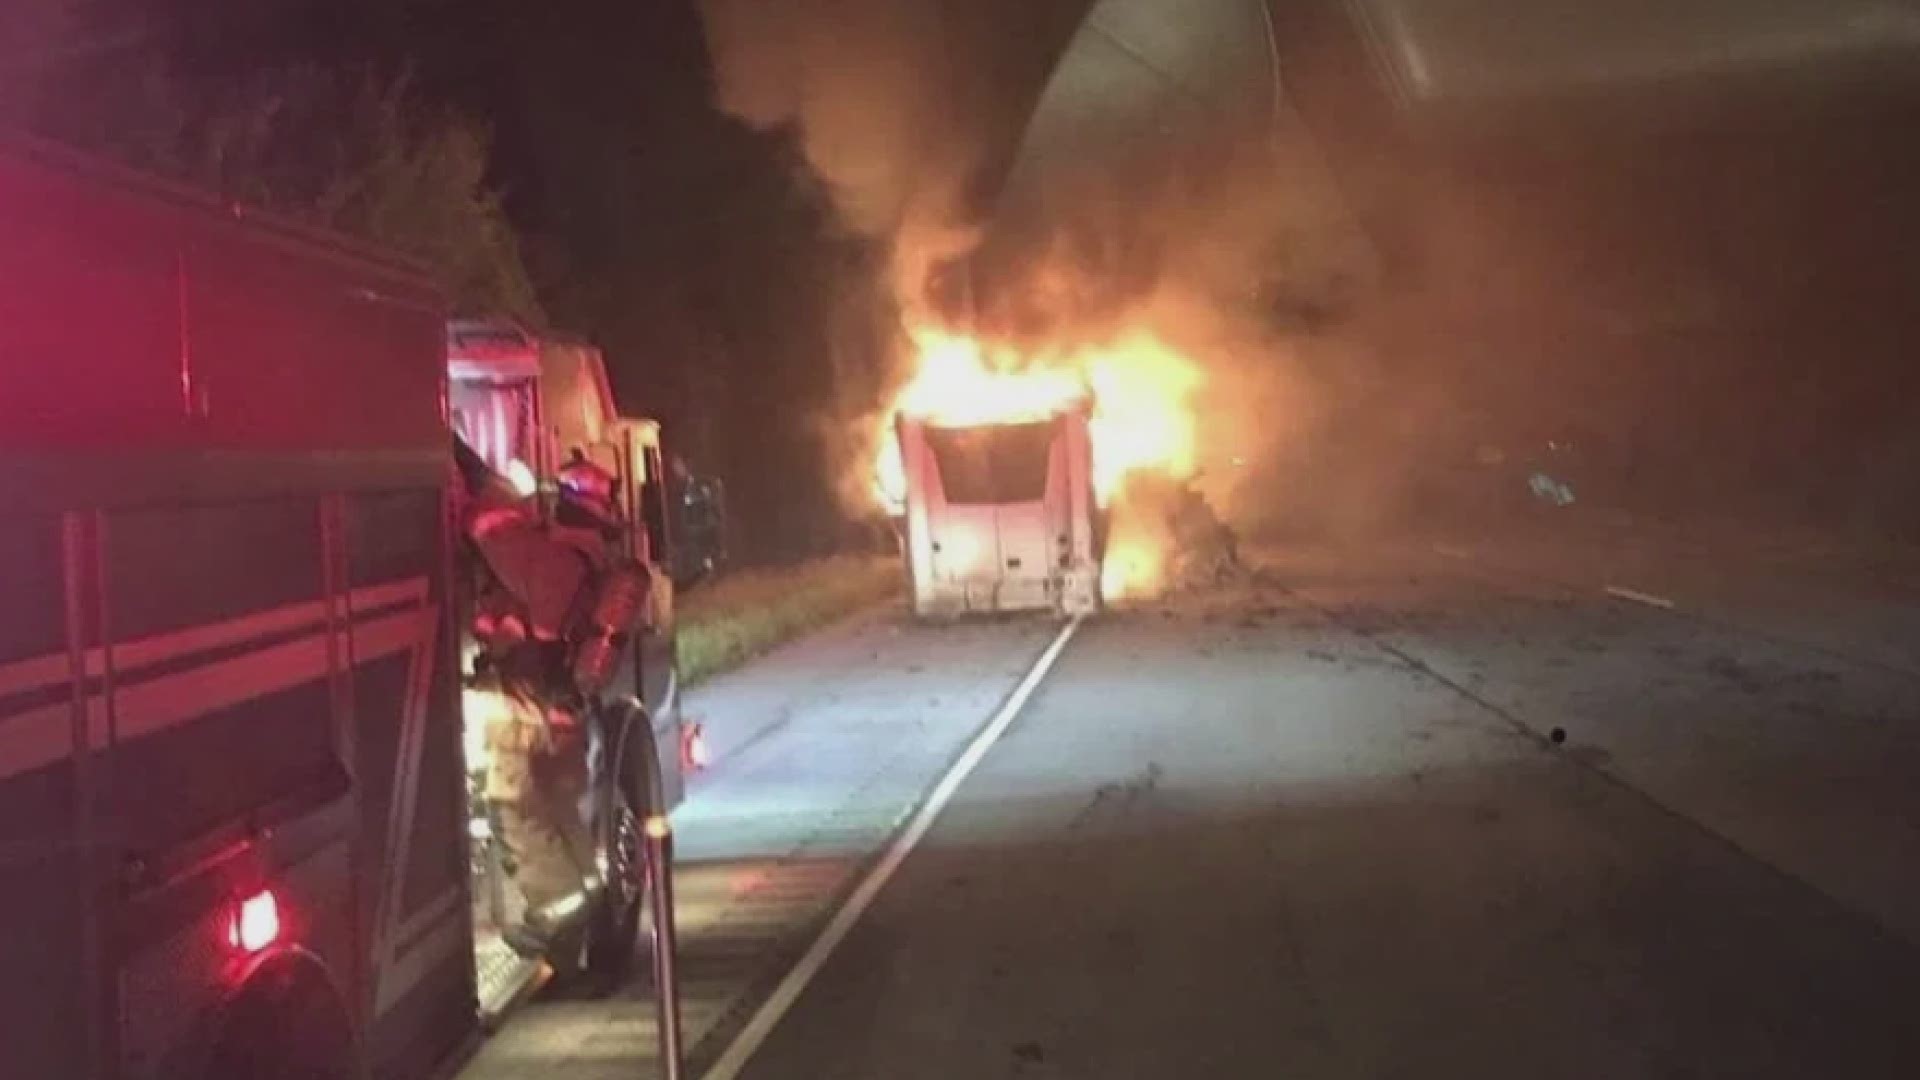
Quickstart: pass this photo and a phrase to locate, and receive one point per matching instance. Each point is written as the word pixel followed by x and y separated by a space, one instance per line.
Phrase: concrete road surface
pixel 1320 827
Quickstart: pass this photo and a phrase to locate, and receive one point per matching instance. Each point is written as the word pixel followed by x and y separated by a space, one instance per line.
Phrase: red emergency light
pixel 255 922
pixel 695 753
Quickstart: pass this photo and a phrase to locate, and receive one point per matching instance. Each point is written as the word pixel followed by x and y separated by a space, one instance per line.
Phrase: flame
pixel 1133 566
pixel 1143 416
pixel 959 384
pixel 1140 390
pixel 1143 419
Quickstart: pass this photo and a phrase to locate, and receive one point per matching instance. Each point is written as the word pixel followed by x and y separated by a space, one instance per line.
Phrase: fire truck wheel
pixel 287 1023
pixel 614 934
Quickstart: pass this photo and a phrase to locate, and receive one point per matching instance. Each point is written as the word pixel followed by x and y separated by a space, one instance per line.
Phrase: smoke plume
pixel 879 99
pixel 1226 243
pixel 886 102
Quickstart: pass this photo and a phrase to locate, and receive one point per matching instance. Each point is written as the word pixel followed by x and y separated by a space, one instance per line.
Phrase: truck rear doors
pixel 1000 516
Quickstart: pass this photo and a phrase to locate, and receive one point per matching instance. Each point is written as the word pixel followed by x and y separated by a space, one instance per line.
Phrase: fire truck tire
pixel 613 936
pixel 289 1022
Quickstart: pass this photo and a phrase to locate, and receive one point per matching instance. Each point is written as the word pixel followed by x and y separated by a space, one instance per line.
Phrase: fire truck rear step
pixel 503 979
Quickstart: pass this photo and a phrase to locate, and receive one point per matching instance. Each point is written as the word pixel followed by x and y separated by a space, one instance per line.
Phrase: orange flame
pixel 1133 566
pixel 1143 416
pixel 959 384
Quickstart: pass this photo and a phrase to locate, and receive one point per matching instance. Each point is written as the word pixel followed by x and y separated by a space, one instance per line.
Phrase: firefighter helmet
pixel 588 489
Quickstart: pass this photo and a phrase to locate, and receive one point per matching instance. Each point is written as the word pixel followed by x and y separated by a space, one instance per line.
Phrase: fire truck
pixel 236 836
pixel 1001 516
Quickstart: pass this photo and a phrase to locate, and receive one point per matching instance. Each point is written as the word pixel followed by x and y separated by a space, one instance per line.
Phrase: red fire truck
pixel 235 836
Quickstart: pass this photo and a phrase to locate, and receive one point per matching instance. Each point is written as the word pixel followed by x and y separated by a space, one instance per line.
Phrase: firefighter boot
pixel 537 792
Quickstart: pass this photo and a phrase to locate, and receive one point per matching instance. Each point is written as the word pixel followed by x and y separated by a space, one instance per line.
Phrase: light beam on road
pixel 737 1054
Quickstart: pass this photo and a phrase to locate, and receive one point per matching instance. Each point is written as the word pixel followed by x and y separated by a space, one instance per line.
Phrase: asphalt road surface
pixel 1607 808
pixel 1319 827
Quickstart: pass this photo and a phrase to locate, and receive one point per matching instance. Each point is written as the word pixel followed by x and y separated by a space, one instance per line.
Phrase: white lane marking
pixel 1623 593
pixel 1452 551
pixel 744 1045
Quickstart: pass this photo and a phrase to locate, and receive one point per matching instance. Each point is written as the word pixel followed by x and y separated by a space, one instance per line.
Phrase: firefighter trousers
pixel 544 834
pixel 552 853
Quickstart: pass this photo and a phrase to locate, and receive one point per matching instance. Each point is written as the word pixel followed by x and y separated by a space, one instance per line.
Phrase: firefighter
pixel 553 605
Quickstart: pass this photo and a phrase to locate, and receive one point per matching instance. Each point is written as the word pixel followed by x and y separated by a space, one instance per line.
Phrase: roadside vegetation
pixel 740 616
pixel 348 147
